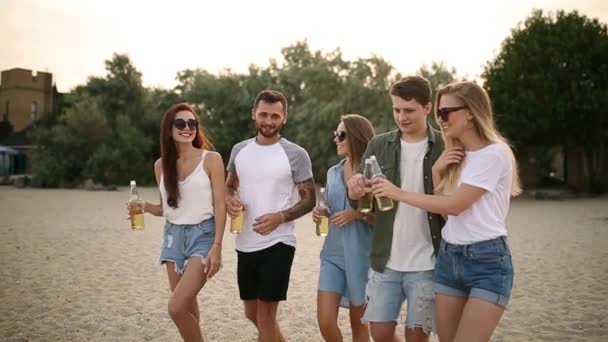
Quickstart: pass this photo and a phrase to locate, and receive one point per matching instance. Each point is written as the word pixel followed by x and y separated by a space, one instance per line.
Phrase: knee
pixel 382 333
pixel 176 309
pixel 252 316
pixel 326 324
pixel 264 319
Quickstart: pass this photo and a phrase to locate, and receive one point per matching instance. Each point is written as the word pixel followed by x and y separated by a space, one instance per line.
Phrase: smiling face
pixel 184 127
pixel 455 118
pixel 410 116
pixel 269 118
pixel 341 140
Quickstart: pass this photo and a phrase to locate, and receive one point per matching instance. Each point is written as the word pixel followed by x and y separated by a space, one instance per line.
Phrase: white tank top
pixel 195 203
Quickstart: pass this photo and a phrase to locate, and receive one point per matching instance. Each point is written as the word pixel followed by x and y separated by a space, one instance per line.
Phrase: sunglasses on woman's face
pixel 181 123
pixel 341 135
pixel 444 113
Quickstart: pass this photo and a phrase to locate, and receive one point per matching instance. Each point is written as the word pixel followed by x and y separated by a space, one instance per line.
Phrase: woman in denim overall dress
pixel 345 252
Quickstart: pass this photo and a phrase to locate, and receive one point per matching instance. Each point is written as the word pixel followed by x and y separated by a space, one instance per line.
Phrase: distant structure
pixel 25 97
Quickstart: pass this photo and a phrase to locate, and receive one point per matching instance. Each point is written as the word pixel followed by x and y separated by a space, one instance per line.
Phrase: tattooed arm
pixel 265 224
pixel 307 202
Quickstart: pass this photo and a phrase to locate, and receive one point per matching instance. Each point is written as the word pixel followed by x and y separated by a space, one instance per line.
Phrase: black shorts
pixel 264 274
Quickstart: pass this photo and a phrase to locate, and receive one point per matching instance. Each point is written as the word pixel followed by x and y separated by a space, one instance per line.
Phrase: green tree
pixel 549 84
pixel 103 130
pixel 438 75
pixel 64 148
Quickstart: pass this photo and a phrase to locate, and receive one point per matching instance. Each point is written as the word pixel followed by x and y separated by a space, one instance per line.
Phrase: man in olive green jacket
pixel 405 239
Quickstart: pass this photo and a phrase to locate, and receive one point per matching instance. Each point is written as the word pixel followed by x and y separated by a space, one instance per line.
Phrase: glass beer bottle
pixel 365 203
pixel 384 203
pixel 136 210
pixel 236 223
pixel 323 224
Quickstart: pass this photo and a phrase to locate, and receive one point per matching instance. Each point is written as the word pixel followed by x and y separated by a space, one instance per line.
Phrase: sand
pixel 72 270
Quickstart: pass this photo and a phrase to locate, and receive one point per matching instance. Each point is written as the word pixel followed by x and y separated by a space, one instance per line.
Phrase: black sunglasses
pixel 340 135
pixel 181 123
pixel 444 113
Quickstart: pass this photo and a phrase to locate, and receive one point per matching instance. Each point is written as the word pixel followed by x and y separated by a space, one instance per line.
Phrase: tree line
pixel 548 83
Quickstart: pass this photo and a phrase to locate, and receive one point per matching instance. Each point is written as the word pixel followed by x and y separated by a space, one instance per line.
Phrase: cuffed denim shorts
pixel 184 241
pixel 387 291
pixel 483 270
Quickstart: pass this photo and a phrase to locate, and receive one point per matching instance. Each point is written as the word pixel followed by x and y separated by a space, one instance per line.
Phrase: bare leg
pixel 360 330
pixel 448 310
pixel 416 335
pixel 384 332
pixel 251 311
pixel 478 321
pixel 174 278
pixel 268 327
pixel 328 304
pixel 180 303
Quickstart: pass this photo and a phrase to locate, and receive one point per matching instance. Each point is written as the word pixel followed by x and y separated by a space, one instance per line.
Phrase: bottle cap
pixel 372 158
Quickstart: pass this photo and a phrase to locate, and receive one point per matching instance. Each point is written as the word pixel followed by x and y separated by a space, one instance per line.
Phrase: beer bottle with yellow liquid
pixel 366 202
pixel 136 209
pixel 236 223
pixel 384 203
pixel 323 224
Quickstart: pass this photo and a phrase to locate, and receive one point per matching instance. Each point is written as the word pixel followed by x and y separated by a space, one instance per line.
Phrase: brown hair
pixel 359 132
pixel 168 151
pixel 412 87
pixel 477 102
pixel 270 96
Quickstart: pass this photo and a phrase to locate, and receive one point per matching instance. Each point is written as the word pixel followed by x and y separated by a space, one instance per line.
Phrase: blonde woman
pixel 476 177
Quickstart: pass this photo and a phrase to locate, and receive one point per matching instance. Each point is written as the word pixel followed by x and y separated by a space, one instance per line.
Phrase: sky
pixel 73 38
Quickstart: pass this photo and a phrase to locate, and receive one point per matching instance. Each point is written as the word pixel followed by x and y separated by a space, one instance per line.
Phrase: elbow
pixel 454 210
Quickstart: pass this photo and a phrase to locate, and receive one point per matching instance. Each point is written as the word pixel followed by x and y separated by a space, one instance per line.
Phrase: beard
pixel 268 131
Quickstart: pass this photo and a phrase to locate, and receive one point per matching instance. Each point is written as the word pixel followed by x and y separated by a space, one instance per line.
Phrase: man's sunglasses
pixel 340 135
pixel 444 113
pixel 181 123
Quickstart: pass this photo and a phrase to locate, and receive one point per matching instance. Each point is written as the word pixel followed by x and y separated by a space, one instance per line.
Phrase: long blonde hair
pixel 478 103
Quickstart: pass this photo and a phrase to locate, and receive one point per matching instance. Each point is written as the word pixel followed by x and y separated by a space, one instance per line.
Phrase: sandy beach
pixel 72 270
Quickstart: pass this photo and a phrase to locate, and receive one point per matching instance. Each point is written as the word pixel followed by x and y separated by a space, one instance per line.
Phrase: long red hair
pixel 168 151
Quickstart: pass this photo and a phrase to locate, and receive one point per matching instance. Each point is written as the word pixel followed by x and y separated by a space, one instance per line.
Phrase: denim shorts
pixel 184 241
pixel 386 292
pixel 334 277
pixel 483 270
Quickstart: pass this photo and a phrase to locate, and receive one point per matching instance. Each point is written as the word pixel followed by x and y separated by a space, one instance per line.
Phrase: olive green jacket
pixel 387 149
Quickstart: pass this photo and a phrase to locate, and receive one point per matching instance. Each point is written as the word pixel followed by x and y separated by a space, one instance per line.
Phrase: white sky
pixel 72 38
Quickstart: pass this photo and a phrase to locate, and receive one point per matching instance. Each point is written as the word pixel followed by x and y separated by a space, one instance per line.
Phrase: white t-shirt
pixel 491 169
pixel 412 247
pixel 267 184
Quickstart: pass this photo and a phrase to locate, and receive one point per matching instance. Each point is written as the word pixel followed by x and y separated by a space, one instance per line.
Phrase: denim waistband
pixel 499 242
pixel 210 220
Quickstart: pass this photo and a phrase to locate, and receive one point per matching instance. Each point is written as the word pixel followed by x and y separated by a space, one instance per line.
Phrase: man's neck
pixel 415 137
pixel 262 140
